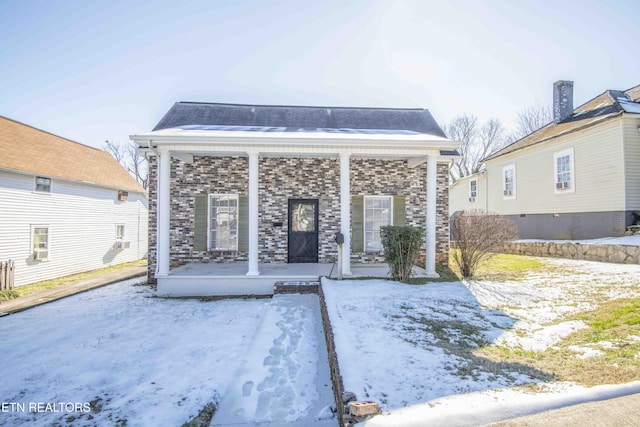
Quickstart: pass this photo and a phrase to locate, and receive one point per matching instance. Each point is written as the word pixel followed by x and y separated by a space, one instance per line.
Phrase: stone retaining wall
pixel 605 253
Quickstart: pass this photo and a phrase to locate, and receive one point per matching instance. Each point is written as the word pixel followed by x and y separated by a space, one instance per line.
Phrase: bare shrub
pixel 476 234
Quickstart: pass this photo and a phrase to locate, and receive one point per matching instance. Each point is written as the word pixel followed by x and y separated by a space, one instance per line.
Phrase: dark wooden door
pixel 303 230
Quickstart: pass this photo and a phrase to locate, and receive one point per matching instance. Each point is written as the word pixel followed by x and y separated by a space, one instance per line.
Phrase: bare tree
pixel 128 156
pixel 476 142
pixel 476 234
pixel 531 119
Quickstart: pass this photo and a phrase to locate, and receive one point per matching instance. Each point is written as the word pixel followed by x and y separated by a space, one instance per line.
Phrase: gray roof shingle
pixel 292 117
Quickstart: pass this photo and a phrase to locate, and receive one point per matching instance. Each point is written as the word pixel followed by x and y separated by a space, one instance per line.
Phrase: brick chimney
pixel 562 100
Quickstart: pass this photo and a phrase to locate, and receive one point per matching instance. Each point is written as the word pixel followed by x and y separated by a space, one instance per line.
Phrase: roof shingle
pixel 27 149
pixel 604 106
pixel 292 117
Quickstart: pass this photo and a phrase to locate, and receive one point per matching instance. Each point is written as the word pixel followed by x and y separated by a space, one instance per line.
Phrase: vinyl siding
pixel 598 175
pixel 632 161
pixel 82 223
pixel 459 194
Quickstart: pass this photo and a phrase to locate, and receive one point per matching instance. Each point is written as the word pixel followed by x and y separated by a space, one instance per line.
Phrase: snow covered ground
pixel 116 356
pixel 408 347
pixel 126 357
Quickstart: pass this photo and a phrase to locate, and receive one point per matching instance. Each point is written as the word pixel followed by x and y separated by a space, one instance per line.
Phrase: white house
pixel 578 177
pixel 65 207
pixel 241 195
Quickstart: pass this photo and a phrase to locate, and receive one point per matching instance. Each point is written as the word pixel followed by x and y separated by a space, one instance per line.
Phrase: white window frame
pixel 571 188
pixel 473 195
pixel 47 243
pixel 120 236
pixel 234 245
pixel 35 185
pixel 368 246
pixel 512 195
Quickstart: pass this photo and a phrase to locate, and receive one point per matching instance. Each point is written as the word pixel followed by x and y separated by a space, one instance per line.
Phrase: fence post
pixel 6 275
pixel 12 267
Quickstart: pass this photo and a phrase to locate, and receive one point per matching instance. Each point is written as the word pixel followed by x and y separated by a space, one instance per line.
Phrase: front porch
pixel 230 279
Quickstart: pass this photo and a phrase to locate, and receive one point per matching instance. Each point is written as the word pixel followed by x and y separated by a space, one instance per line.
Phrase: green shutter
pixel 399 210
pixel 357 224
pixel 200 204
pixel 243 223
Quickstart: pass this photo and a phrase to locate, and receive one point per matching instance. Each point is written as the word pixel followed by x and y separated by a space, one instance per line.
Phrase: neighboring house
pixel 258 185
pixel 576 178
pixel 65 207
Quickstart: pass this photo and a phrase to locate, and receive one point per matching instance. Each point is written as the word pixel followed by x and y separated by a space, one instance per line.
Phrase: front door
pixel 303 230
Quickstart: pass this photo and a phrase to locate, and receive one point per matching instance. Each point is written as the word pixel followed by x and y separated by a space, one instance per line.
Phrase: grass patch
pixel 203 419
pixel 503 267
pixel 610 332
pixel 8 295
pixel 47 284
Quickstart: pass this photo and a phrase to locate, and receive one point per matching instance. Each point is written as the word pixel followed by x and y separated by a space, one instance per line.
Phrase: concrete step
pixel 296 287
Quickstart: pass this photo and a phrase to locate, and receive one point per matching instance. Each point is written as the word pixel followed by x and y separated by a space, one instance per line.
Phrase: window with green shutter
pixel 200 206
pixel 357 223
pixel 243 223
pixel 368 214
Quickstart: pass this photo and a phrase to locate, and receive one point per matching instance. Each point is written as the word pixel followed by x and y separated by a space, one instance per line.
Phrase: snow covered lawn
pixel 410 347
pixel 134 360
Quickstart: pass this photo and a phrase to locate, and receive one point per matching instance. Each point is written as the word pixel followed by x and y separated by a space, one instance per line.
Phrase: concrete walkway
pixel 47 295
pixel 284 378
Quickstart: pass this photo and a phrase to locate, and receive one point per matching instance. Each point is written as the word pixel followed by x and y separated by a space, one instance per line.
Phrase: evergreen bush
pixel 401 247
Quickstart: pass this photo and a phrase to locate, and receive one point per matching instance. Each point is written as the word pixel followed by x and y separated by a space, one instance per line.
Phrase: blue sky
pixel 96 70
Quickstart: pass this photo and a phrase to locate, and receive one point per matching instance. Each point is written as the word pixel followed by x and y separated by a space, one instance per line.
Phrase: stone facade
pixel 442 215
pixel 284 178
pixel 621 254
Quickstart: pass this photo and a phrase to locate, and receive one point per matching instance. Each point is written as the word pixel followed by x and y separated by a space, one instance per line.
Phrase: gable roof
pixel 300 119
pixel 605 106
pixel 27 149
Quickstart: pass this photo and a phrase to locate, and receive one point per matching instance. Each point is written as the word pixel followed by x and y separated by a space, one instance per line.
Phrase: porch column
pixel 430 266
pixel 345 212
pixel 163 212
pixel 253 215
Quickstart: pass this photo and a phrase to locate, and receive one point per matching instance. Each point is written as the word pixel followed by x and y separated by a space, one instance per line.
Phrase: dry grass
pixel 34 287
pixel 613 331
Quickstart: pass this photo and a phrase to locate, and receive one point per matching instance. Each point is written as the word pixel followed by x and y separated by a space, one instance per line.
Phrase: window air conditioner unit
pixel 507 193
pixel 122 245
pixel 123 196
pixel 562 185
pixel 40 254
pixel 472 199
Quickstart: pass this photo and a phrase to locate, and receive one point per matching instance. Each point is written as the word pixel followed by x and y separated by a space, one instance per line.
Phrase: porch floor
pixel 218 279
pixel 278 271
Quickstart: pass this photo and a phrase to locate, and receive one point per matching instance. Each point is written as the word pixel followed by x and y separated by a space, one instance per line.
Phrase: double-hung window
pixel 40 242
pixel 223 222
pixel 473 190
pixel 563 171
pixel 120 232
pixel 378 212
pixel 509 182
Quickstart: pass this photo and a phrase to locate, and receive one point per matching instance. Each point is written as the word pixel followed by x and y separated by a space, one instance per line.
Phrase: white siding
pixel 632 161
pixel 459 194
pixel 82 226
pixel 599 175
